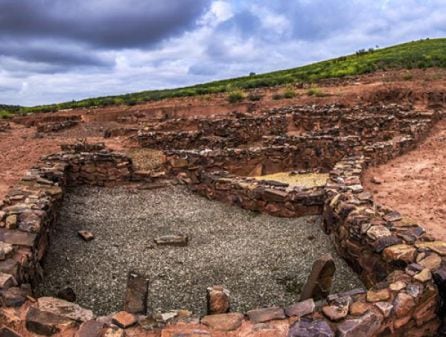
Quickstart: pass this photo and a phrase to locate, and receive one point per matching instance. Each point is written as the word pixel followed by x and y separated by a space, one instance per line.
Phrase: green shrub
pixel 236 96
pixel 289 93
pixel 316 92
pixel 5 114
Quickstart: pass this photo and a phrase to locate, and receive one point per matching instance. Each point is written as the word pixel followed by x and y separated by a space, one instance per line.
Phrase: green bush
pixel 5 114
pixel 236 96
pixel 316 92
pixel 289 93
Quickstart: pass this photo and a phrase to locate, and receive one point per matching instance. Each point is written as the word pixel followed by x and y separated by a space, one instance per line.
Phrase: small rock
pixel 301 309
pixel 403 304
pixel 223 322
pixel 11 221
pixel 86 235
pixel 385 308
pixel 376 181
pixel 311 328
pixel 364 326
pixel 378 295
pixel 124 319
pixel 397 286
pixel 438 247
pixel 91 329
pixel 404 253
pixel 172 240
pixel 114 332
pixel 7 281
pixel 14 296
pixel 378 232
pixel 6 332
pixel 168 316
pixel 337 311
pixel 392 217
pixel 423 276
pixel 266 315
pixel 67 294
pixel 218 299
pixel 359 308
pixel 432 262
pixel 5 250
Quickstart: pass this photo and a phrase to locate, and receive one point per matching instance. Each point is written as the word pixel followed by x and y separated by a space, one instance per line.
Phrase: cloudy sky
pixel 59 50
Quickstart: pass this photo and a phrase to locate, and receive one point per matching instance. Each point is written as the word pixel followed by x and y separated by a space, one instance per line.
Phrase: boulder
pixel 320 280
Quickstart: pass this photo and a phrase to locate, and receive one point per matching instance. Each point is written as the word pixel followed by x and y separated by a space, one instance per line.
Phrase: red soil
pixel 415 183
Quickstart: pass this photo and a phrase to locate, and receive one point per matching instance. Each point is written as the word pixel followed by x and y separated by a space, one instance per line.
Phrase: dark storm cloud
pixel 99 23
pixel 55 56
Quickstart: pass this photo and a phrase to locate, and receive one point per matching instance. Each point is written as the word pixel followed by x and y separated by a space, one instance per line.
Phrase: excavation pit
pixel 262 260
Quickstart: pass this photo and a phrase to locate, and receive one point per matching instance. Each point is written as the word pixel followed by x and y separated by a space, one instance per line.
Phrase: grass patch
pixel 316 92
pixel 236 96
pixel 5 114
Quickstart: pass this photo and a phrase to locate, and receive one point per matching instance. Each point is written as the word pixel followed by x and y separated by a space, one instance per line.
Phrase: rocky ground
pixel 262 260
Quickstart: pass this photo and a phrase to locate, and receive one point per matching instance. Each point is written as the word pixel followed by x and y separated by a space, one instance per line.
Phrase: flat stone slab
pixel 65 309
pixel 124 319
pixel 223 322
pixel 135 300
pixel 86 235
pixel 265 315
pixel 301 309
pixel 45 323
pixel 172 240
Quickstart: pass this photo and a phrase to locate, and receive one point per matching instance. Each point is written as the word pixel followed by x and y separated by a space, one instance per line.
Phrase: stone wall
pixel 257 161
pixel 29 210
pixel 271 197
pixel 56 126
pixel 184 140
pixel 217 133
pixel 246 129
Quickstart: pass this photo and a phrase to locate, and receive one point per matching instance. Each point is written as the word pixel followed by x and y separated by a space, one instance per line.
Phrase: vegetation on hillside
pixel 420 54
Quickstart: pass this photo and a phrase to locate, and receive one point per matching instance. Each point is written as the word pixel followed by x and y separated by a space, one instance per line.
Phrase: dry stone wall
pixel 402 266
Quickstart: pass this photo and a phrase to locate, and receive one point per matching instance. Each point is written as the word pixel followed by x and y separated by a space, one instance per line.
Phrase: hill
pixel 419 54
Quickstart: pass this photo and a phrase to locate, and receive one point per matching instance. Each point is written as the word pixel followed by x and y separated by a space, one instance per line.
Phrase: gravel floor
pixel 261 259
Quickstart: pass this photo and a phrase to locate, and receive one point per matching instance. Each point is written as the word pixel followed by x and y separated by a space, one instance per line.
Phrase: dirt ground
pixel 415 184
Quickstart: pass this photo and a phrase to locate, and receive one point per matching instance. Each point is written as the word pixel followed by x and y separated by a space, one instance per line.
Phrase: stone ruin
pixel 402 267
